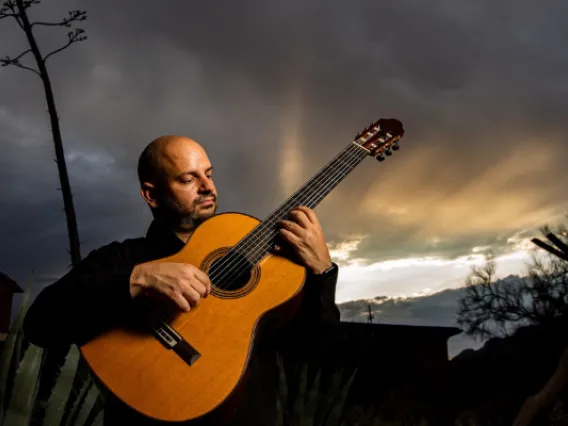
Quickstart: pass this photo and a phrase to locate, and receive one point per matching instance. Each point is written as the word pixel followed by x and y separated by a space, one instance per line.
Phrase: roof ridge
pixel 7 282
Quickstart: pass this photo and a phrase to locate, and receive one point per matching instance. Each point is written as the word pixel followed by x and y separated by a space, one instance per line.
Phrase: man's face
pixel 188 184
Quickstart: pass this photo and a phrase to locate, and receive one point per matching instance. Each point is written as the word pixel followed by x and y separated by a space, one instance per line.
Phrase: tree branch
pixel 5 63
pixel 17 58
pixel 489 307
pixel 69 43
pixel 7 15
pixel 28 3
pixel 74 16
pixel 6 60
pixel 10 5
pixel 74 37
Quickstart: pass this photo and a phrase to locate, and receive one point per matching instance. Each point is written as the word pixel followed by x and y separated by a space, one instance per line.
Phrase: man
pixel 176 182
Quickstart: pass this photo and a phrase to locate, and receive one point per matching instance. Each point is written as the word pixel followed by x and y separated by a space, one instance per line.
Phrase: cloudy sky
pixel 273 90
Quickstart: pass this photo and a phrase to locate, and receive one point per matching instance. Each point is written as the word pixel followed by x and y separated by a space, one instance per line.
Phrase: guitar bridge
pixel 172 340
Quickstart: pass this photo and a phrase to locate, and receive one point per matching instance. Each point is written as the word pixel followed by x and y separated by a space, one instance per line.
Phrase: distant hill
pixel 438 309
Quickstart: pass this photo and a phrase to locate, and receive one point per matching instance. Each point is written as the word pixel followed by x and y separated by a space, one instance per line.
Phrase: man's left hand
pixel 304 233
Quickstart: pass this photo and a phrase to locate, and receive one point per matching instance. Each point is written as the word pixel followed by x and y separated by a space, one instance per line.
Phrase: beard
pixel 186 217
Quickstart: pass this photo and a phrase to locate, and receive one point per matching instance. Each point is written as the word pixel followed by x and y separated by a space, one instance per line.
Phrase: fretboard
pixel 261 239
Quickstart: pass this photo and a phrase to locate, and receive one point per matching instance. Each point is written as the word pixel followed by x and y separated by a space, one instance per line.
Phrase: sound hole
pixel 230 272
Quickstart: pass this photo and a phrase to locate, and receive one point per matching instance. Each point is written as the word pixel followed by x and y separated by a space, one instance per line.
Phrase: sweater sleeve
pixel 317 311
pixel 319 306
pixel 82 303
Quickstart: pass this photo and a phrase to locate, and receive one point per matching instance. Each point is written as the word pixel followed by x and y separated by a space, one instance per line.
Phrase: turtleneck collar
pixel 159 233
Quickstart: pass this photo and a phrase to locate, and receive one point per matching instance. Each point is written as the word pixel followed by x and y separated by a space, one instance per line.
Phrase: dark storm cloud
pixel 481 89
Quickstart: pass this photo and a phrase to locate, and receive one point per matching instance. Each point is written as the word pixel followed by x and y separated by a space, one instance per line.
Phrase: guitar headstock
pixel 381 137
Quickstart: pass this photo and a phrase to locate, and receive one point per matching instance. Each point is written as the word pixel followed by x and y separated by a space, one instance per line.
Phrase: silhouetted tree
pixel 371 314
pixel 17 9
pixel 496 308
pixel 557 382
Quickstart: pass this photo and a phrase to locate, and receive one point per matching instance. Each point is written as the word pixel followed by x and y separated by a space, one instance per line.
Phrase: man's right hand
pixel 180 283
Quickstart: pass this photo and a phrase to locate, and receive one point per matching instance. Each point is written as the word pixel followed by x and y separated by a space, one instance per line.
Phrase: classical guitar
pixel 191 366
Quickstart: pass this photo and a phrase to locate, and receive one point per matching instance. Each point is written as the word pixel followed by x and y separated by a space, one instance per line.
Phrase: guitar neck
pixel 259 241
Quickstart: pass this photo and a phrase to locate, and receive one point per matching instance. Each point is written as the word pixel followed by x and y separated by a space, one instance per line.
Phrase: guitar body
pixel 157 382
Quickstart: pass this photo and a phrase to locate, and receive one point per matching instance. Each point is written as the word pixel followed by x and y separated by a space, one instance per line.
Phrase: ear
pixel 148 192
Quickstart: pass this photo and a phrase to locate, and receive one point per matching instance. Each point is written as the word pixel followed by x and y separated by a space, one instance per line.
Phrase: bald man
pixel 176 181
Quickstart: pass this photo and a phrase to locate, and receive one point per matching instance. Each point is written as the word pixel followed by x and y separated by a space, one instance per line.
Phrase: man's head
pixel 175 177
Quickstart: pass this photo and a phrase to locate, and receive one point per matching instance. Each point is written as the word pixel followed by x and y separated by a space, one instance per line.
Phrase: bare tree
pixel 557 382
pixel 496 308
pixel 17 9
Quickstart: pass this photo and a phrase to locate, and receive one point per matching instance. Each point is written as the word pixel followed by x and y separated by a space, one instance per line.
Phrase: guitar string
pixel 344 165
pixel 325 182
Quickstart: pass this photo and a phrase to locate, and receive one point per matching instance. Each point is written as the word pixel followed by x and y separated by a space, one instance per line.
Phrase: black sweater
pixel 95 295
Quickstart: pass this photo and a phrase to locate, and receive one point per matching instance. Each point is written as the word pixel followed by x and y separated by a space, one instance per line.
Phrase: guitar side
pixel 157 382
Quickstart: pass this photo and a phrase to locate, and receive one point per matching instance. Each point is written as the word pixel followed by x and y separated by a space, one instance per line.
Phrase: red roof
pixel 8 284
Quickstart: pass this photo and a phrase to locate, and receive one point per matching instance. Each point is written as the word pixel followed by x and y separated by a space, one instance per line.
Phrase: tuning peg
pixel 388 152
pixel 380 157
pixel 395 147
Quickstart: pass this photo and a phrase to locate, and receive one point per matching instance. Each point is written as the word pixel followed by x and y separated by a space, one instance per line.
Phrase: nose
pixel 207 185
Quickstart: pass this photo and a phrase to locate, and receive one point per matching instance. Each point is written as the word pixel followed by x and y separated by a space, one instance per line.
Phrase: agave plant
pixel 20 379
pixel 312 406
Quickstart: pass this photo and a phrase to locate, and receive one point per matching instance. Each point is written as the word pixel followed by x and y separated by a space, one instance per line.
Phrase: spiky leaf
pixel 10 354
pixel 298 409
pixel 279 411
pixel 282 383
pixel 311 401
pixel 335 415
pixel 21 404
pixel 99 419
pixel 87 406
pixel 60 393
pixel 329 398
pixel 72 415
